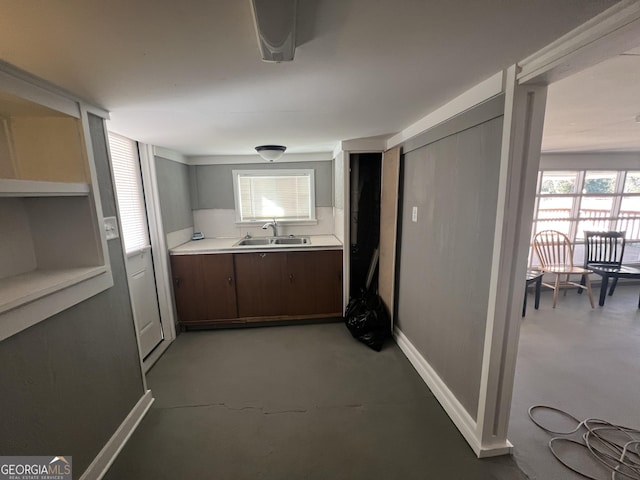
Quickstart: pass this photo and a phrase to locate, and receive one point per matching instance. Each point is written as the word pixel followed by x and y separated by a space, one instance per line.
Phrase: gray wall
pixel 445 257
pixel 69 381
pixel 212 185
pixel 338 179
pixel 174 193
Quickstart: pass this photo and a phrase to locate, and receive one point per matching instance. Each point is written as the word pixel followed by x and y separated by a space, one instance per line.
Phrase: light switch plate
pixel 414 214
pixel 111 227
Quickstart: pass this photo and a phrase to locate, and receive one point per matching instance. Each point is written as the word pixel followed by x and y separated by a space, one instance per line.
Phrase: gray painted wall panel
pixel 338 181
pixel 68 382
pixel 214 183
pixel 174 192
pixel 193 188
pixel 445 257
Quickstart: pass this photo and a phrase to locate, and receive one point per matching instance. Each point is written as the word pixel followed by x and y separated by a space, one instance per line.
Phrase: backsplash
pixel 179 237
pixel 221 223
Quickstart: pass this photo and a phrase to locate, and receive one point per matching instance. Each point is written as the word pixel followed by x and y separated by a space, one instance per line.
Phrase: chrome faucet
pixel 273 225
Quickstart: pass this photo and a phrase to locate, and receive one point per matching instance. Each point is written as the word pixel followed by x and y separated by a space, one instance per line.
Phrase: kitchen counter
pixel 225 245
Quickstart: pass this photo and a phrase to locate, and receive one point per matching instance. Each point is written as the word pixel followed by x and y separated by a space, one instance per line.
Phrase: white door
pixel 135 232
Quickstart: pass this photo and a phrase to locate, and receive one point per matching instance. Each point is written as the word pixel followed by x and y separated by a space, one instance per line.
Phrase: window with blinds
pixel 287 195
pixel 126 173
pixel 575 201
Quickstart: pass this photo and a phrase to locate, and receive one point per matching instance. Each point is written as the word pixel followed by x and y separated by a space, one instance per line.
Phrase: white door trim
pixel 122 247
pixel 346 247
pixel 159 252
pixel 520 158
pixel 614 31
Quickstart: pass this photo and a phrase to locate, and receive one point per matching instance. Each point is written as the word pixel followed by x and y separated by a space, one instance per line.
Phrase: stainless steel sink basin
pixel 273 241
pixel 253 241
pixel 291 241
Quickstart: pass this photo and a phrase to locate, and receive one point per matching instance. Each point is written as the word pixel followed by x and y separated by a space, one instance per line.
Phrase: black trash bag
pixel 368 321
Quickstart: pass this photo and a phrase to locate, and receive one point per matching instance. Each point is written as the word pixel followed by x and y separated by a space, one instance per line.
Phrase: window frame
pixel 614 216
pixel 129 192
pixel 306 172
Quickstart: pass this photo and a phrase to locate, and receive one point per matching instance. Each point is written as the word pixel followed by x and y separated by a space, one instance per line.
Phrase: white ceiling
pixel 187 75
pixel 596 109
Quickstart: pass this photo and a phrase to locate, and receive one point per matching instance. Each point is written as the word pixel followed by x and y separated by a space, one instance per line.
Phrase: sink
pixel 291 241
pixel 273 241
pixel 253 241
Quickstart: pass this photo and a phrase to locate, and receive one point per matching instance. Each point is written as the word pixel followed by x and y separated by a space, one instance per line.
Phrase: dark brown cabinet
pixel 313 282
pixel 262 286
pixel 259 288
pixel 204 288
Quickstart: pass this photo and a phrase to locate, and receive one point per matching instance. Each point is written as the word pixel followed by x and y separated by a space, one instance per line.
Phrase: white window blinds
pixel 126 172
pixel 285 195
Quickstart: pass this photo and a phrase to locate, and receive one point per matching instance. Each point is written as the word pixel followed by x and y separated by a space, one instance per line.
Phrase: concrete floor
pixel 582 360
pixel 295 402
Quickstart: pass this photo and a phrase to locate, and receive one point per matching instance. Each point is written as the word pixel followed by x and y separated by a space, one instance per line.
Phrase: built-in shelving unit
pixel 32 188
pixel 27 287
pixel 52 249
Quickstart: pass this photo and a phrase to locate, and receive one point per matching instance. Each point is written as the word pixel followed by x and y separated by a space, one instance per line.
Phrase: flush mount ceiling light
pixel 271 153
pixel 275 22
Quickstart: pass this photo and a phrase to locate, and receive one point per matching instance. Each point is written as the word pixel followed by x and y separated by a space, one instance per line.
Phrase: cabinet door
pixel 314 282
pixel 188 287
pixel 259 283
pixel 204 287
pixel 219 288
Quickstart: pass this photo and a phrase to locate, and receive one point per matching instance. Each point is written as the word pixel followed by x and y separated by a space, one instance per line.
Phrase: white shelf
pixel 33 188
pixel 50 210
pixel 27 287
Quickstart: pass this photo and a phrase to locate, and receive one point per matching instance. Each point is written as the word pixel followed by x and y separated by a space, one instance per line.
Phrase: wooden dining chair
pixel 603 254
pixel 555 254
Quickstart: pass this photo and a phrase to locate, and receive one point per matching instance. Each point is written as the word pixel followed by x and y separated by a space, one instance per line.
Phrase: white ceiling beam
pixel 610 33
pixel 489 88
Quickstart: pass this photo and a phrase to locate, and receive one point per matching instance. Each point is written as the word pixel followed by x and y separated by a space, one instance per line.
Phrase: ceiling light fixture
pixel 271 153
pixel 275 22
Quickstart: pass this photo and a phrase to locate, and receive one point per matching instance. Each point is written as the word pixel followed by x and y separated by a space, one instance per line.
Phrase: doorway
pixel 135 232
pixel 364 222
pixel 573 357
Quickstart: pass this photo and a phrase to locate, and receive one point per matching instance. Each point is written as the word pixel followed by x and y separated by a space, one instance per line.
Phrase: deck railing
pixel 628 221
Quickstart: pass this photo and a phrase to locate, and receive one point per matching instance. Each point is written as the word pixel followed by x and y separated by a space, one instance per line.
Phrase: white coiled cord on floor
pixel 619 456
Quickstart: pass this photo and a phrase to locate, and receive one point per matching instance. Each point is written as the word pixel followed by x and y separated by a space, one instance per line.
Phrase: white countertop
pixel 225 245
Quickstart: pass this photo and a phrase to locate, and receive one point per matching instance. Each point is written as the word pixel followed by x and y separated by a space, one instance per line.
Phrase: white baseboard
pixel 458 414
pixel 110 451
